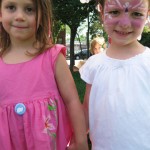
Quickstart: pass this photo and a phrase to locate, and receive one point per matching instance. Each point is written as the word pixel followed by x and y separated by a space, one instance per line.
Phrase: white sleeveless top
pixel 119 105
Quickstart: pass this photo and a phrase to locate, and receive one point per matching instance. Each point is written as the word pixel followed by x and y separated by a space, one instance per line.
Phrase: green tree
pixel 58 26
pixel 145 40
pixel 96 27
pixel 72 13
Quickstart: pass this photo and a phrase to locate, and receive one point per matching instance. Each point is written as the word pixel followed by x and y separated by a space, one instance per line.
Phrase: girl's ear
pixel 0 16
pixel 148 14
pixel 100 8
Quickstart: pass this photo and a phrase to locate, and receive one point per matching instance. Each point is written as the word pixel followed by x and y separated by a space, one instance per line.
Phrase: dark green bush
pixel 145 40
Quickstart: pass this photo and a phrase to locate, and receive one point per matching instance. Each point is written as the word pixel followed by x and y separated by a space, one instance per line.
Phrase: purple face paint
pixel 126 10
pixel 124 6
pixel 123 14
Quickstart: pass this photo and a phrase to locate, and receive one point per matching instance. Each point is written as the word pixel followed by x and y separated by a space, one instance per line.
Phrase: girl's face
pixel 96 48
pixel 124 20
pixel 18 19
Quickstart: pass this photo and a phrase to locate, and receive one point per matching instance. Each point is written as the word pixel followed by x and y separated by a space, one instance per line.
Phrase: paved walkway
pixel 78 64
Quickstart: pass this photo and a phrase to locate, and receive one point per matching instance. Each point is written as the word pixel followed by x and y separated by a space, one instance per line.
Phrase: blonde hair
pixel 42 32
pixel 99 40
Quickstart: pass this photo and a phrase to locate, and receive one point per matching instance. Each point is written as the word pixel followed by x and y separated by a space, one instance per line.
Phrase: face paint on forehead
pixel 124 5
pixel 139 5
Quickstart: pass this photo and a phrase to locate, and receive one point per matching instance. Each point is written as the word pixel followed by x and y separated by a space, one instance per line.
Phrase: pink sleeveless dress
pixel 32 112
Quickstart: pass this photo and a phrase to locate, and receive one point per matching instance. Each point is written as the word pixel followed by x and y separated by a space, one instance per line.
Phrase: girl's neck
pixel 17 45
pixel 17 52
pixel 124 51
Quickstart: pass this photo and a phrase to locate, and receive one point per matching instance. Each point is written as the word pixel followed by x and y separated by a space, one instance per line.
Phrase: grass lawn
pixel 80 85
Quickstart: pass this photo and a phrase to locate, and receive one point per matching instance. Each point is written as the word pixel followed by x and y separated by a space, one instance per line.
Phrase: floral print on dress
pixel 49 127
pixel 51 121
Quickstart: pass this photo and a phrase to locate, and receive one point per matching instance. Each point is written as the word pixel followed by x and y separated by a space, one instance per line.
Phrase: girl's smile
pixel 122 33
pixel 19 28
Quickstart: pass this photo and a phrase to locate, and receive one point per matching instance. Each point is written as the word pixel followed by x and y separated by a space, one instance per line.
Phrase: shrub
pixel 145 40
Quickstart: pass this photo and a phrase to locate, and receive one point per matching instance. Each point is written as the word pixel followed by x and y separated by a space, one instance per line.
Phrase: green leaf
pixel 54 134
pixel 51 107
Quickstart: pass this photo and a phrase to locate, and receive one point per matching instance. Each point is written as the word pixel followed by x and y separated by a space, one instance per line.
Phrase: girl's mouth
pixel 123 32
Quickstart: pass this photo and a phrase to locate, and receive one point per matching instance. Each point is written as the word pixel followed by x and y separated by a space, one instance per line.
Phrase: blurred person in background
pixel 96 45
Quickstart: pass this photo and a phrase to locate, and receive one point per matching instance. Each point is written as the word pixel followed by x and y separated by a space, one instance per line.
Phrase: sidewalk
pixel 78 64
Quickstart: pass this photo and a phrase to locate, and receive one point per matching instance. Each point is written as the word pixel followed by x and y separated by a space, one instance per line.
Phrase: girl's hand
pixel 74 146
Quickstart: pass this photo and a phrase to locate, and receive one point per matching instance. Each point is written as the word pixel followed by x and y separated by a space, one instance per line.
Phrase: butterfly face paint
pixel 125 16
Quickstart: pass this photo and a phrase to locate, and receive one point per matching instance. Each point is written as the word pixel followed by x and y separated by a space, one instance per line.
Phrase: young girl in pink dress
pixel 39 105
pixel 117 98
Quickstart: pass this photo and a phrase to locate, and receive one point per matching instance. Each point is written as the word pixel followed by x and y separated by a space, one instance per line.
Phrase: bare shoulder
pixel 65 80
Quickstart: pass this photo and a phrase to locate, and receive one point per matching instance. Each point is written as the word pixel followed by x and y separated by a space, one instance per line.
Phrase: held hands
pixel 73 146
pixel 78 146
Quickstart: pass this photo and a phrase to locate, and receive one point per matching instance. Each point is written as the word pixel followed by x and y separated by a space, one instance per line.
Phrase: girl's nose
pixel 125 21
pixel 20 16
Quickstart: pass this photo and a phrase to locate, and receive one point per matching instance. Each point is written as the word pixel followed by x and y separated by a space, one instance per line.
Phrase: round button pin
pixel 20 108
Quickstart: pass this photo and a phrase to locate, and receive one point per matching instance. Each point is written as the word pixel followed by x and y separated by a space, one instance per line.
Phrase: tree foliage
pixel 58 26
pixel 97 29
pixel 145 40
pixel 72 13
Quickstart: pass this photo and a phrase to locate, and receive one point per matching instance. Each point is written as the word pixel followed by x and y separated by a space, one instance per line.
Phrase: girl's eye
pixel 11 8
pixel 137 14
pixel 29 10
pixel 114 13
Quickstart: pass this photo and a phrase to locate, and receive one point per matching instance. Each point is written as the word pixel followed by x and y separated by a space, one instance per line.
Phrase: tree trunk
pixel 73 34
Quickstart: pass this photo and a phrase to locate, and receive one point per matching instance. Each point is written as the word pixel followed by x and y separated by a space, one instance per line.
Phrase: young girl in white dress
pixel 117 98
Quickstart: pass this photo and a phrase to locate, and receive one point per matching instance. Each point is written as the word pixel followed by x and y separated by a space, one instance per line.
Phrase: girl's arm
pixel 86 104
pixel 69 94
